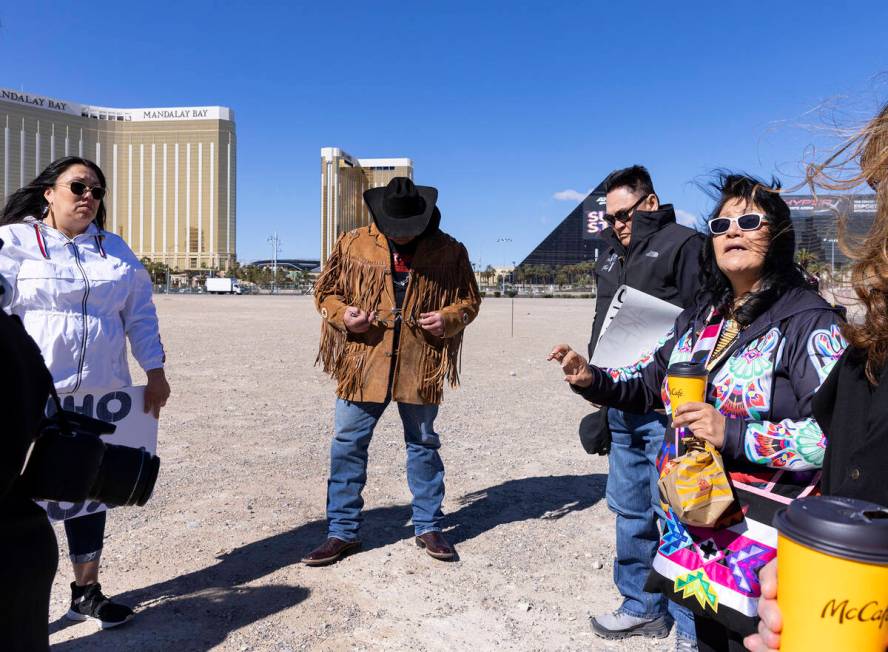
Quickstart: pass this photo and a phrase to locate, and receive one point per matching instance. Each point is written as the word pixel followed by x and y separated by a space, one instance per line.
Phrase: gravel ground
pixel 212 562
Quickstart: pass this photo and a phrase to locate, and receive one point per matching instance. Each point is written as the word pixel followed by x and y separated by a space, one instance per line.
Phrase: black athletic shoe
pixel 88 603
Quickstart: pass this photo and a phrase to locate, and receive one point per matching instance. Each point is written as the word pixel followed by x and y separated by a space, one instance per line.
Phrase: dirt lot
pixel 212 562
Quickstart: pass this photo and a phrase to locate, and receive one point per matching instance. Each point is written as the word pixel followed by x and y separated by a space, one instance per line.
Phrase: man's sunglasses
pixel 78 188
pixel 624 214
pixel 748 222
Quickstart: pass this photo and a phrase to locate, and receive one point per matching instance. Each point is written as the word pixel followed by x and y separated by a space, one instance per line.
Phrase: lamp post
pixel 275 242
pixel 504 241
pixel 512 282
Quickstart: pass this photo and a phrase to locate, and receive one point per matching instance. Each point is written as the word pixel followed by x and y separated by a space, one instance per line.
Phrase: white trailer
pixel 223 286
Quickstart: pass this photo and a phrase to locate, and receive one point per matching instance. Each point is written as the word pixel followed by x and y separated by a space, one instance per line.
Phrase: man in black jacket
pixel 647 250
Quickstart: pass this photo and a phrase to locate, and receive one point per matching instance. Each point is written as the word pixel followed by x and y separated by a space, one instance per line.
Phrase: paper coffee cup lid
pixel 687 369
pixel 842 527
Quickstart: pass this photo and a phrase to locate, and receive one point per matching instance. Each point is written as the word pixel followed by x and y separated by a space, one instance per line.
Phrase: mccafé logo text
pixel 678 393
pixel 870 612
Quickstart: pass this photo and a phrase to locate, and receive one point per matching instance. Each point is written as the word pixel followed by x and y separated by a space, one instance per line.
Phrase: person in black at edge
pixel 27 536
pixel 648 251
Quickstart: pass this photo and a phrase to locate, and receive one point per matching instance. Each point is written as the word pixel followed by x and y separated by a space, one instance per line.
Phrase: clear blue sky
pixel 501 105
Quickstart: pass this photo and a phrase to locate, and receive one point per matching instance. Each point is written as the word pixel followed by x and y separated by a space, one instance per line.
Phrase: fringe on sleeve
pixel 358 283
pixel 445 286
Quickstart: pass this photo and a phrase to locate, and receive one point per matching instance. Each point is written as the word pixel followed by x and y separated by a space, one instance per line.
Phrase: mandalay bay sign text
pixel 108 113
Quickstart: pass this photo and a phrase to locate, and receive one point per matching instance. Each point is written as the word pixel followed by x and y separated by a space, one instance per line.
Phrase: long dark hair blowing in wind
pixel 780 272
pixel 29 201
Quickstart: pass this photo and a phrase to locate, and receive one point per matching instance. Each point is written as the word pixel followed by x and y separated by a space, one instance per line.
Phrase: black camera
pixel 70 462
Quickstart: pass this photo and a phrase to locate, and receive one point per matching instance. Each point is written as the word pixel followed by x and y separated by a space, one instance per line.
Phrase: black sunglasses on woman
pixel 78 188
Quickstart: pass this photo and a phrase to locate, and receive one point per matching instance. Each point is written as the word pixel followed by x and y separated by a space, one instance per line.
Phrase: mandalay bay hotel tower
pixel 171 172
pixel 344 179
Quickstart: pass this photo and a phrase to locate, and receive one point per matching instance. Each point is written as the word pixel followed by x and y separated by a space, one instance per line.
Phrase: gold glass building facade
pixel 171 172
pixel 343 182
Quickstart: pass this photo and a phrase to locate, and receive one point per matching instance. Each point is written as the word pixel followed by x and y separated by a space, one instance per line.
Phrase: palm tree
pixel 157 272
pixel 810 262
pixel 488 274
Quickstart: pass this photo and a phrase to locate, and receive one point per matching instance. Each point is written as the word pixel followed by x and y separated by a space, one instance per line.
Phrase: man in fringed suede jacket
pixel 395 297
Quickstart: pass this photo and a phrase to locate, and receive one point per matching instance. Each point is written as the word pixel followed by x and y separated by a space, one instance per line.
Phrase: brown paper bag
pixel 696 486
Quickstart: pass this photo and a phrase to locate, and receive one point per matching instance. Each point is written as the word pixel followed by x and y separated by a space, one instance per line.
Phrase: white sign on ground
pixel 635 322
pixel 122 407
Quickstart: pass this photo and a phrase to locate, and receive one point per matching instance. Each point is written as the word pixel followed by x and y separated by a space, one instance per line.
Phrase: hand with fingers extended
pixel 575 367
pixel 771 624
pixel 703 420
pixel 358 321
pixel 433 322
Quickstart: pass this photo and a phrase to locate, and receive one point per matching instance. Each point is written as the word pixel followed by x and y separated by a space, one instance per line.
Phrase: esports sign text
pixel 594 207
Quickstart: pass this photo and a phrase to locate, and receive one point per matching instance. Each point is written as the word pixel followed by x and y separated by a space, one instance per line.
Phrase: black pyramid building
pixel 576 239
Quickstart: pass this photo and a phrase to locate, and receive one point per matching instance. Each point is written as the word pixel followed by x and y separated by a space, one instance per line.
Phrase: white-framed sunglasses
pixel 747 222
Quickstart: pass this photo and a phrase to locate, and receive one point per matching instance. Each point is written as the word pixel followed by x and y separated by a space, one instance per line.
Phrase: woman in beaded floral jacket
pixel 769 341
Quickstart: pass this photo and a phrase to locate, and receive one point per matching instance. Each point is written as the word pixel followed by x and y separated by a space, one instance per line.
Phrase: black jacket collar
pixel 647 223
pixel 796 300
pixel 610 238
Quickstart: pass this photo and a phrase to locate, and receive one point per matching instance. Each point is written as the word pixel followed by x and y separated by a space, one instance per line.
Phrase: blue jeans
pixel 633 496
pixel 354 424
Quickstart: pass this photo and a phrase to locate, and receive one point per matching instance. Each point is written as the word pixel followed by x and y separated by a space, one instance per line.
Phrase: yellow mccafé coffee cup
pixel 686 382
pixel 832 575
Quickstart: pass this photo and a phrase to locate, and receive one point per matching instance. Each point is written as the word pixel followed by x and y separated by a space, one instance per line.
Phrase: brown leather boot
pixel 436 545
pixel 329 551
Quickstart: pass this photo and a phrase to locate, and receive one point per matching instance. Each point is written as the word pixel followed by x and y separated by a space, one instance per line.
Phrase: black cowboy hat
pixel 402 209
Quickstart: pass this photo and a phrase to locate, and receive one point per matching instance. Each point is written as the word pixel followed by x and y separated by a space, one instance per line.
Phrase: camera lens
pixel 126 476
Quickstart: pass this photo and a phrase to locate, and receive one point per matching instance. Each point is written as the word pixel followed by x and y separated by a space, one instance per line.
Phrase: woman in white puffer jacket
pixel 81 292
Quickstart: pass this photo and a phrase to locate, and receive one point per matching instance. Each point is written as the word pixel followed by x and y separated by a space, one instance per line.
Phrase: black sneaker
pixel 88 602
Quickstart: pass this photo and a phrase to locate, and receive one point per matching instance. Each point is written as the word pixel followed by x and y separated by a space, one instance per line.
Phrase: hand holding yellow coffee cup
pixel 832 575
pixel 686 382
